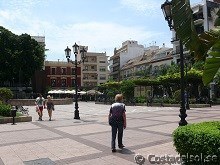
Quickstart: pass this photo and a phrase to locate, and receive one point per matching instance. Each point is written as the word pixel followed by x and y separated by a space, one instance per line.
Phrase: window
pixel 53 71
pixel 53 82
pixel 73 82
pixel 102 69
pixel 73 70
pixel 102 62
pixel 63 83
pixel 63 70
pixel 102 77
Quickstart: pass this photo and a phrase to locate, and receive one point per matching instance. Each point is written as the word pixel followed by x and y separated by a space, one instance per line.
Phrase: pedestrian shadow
pixel 126 151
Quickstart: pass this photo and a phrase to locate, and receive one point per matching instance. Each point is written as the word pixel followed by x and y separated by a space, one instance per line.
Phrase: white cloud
pixel 99 37
pixel 145 7
pixel 21 5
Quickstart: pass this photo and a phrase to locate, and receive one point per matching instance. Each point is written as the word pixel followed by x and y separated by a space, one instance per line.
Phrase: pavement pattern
pixel 65 140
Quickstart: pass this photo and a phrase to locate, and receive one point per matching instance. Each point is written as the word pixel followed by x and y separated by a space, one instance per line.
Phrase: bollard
pixel 13 114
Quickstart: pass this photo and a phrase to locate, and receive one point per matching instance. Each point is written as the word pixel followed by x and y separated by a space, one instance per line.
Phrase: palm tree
pixel 205 46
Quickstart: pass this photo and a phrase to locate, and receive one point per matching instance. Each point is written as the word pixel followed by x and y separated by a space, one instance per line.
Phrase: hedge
pixel 198 143
pixel 5 110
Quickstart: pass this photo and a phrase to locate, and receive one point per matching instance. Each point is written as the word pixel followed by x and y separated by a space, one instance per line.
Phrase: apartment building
pixel 94 69
pixel 129 50
pixel 203 15
pixel 148 64
pixel 61 74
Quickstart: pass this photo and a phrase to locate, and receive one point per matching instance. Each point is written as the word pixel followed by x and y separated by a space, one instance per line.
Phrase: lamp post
pixel 75 62
pixel 167 11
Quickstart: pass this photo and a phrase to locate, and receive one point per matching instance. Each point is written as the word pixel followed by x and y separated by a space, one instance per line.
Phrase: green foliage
pixel 217 78
pixel 169 78
pixel 194 76
pixel 196 139
pixel 110 89
pixel 5 110
pixel 140 99
pixel 212 64
pixel 199 65
pixel 111 84
pixel 127 88
pixel 20 57
pixel 145 82
pixel 163 69
pixel 5 94
pixel 169 100
pixel 173 68
pixel 177 95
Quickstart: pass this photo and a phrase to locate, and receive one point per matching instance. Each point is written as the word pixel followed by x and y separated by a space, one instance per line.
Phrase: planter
pixel 5 120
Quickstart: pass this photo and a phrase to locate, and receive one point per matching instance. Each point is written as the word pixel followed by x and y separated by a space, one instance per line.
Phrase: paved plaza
pixel 65 140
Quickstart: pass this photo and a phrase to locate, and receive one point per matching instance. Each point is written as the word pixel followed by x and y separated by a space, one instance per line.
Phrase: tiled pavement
pixel 65 140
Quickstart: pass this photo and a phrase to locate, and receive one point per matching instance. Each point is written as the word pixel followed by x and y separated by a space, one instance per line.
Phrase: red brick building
pixel 61 75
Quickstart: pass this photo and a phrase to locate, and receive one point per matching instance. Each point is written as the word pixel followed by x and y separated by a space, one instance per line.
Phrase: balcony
pixel 115 64
pixel 199 21
pixel 90 62
pixel 89 79
pixel 89 70
pixel 174 39
pixel 114 73
pixel 175 53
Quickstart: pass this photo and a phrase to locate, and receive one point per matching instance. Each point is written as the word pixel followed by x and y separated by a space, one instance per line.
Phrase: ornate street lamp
pixel 167 11
pixel 82 52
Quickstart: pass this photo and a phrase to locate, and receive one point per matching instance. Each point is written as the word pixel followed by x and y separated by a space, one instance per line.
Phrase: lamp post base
pixel 77 117
pixel 182 116
pixel 76 112
pixel 13 121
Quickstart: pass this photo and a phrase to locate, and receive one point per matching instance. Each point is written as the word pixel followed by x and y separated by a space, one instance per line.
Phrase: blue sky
pixel 101 25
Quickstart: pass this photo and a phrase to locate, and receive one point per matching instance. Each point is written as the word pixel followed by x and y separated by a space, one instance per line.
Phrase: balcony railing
pixel 174 39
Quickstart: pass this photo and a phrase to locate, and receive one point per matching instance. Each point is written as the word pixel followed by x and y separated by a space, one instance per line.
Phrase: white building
pixel 129 50
pixel 148 64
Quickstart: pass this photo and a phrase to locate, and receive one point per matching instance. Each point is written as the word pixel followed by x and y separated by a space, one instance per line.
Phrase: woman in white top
pixel 40 105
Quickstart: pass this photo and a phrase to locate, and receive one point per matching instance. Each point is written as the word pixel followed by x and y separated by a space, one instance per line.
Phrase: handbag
pixel 52 107
pixel 37 109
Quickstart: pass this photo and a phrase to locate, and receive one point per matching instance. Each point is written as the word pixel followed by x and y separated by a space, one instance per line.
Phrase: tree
pixel 127 88
pixel 5 94
pixel 205 46
pixel 20 56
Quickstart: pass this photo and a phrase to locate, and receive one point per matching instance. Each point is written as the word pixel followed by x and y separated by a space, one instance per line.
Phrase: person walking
pixel 40 105
pixel 117 120
pixel 50 107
